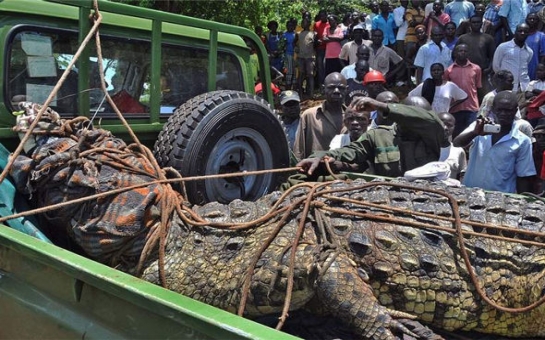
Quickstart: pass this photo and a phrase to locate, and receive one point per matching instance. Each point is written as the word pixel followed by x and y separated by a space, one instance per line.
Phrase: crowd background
pixel 456 56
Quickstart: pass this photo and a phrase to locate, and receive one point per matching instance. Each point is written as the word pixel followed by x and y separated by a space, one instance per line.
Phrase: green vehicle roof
pixel 110 12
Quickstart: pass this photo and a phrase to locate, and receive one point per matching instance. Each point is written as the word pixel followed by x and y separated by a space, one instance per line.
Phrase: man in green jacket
pixel 391 149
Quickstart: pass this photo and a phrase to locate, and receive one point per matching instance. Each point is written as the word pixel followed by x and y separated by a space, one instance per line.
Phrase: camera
pixel 491 128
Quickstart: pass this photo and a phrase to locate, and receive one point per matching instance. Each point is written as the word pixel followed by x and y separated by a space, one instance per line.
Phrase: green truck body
pixel 50 292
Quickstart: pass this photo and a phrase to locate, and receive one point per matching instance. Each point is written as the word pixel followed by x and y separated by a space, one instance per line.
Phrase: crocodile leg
pixel 351 300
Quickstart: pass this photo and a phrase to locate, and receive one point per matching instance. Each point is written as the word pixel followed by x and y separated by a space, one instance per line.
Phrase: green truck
pixel 185 86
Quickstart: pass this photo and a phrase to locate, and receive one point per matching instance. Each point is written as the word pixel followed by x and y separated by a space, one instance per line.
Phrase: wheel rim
pixel 242 149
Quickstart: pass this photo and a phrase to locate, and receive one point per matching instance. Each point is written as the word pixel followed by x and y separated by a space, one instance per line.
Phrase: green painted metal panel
pixel 46 291
pixel 128 22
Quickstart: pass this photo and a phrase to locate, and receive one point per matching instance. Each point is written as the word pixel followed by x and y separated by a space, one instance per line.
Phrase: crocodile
pixel 371 254
pixel 379 266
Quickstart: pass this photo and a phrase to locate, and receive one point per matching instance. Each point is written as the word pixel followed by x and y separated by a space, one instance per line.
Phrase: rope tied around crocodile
pixel 73 162
pixel 120 204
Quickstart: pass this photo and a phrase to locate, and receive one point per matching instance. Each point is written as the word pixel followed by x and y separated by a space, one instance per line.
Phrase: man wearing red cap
pixel 374 81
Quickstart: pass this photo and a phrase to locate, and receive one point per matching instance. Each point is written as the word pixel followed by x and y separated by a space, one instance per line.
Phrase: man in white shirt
pixel 434 51
pixel 514 55
pixel 349 51
pixel 363 53
pixel 402 25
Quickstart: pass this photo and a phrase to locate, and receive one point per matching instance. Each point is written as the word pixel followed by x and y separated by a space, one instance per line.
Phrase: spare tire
pixel 224 132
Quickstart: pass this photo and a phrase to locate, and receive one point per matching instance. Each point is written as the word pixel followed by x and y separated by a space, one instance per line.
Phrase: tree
pixel 249 13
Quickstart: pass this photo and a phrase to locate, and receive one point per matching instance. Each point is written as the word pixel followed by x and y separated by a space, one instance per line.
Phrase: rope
pixel 98 19
pixel 458 230
pixel 171 202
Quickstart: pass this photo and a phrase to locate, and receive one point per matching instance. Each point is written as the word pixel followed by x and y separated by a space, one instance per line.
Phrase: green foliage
pixel 250 13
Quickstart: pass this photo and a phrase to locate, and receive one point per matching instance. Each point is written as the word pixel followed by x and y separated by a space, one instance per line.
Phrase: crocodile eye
pixel 198 239
pixel 235 244
pixel 431 238
pixel 359 243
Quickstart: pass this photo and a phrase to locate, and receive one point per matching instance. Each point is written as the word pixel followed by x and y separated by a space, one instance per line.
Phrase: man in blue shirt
pixel 499 161
pixel 512 13
pixel 386 23
pixel 459 10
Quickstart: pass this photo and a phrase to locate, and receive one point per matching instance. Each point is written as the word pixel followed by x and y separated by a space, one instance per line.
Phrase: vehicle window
pixel 37 61
pixel 126 68
pixel 184 74
pixel 229 74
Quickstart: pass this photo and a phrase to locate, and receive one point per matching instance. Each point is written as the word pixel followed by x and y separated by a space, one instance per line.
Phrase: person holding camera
pixel 502 81
pixel 500 156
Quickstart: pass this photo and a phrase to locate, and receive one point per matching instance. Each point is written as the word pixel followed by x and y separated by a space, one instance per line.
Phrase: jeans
pixel 320 66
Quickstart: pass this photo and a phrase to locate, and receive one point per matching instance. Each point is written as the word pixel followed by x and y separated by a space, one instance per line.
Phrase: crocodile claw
pixel 351 299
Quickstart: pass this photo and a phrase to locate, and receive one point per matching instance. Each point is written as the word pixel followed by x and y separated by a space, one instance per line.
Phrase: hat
pixel 373 76
pixel 286 96
pixel 358 27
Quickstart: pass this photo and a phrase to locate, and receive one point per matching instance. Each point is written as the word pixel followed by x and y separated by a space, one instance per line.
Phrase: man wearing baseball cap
pixel 289 115
pixel 348 55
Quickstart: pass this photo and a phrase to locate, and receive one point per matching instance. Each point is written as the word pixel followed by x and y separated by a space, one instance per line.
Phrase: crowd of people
pixel 476 75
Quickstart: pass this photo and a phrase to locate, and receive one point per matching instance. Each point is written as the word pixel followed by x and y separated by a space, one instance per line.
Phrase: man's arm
pixel 344 55
pixel 398 17
pixel 498 55
pixel 300 140
pixel 412 120
pixel 409 16
pixel 457 102
pixel 419 62
pixel 374 23
pixel 394 71
pixel 525 167
pixel 467 136
pixel 419 72
pixel 491 48
pixel 503 13
pixel 352 157
pixel 485 107
pixel 398 63
pixel 478 77
pixel 505 24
